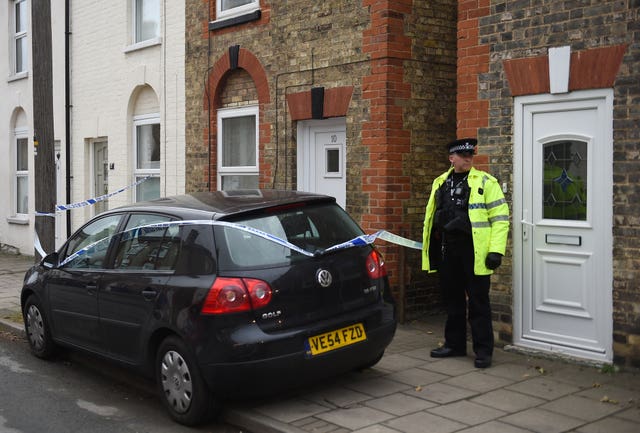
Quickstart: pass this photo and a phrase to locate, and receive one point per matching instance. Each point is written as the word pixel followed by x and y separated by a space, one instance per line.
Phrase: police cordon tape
pixel 355 242
pixel 358 241
pixel 90 201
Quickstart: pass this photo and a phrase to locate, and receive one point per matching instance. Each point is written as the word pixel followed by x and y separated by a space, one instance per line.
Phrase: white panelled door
pixel 100 175
pixel 322 158
pixel 563 224
pixel 61 218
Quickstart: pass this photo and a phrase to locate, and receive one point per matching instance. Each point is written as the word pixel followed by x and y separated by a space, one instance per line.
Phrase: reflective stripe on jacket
pixel 488 213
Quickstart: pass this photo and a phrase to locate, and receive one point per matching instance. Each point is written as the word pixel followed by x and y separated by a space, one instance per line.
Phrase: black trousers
pixel 462 290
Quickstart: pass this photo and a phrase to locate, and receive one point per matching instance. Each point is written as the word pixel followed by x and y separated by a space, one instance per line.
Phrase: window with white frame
pixel 146 136
pixel 146 20
pixel 21 204
pixel 19 25
pixel 231 8
pixel 238 148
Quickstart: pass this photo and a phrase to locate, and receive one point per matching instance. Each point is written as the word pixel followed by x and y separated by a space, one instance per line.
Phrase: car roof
pixel 220 204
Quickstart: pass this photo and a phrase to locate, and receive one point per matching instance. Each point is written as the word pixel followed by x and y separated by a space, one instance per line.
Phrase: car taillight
pixel 234 295
pixel 375 265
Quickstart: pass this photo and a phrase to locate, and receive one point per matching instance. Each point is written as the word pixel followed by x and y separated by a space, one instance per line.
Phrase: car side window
pixel 91 242
pixel 148 248
pixel 197 255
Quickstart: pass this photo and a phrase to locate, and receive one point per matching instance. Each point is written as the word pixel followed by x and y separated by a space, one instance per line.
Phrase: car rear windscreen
pixel 312 228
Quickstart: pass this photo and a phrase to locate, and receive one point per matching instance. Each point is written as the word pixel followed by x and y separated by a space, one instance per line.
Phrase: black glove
pixel 493 260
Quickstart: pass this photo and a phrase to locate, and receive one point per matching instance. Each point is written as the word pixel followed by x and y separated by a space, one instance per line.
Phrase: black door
pixel 132 294
pixel 73 287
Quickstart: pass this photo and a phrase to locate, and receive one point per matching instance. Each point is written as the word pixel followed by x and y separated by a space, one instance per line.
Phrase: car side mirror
pixel 50 261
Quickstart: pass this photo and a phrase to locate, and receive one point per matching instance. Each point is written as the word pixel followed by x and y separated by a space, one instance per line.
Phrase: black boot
pixel 446 352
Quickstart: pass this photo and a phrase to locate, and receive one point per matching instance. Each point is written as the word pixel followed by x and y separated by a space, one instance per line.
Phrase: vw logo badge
pixel 324 277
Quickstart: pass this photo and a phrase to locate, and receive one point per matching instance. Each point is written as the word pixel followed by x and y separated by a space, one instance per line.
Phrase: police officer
pixel 464 238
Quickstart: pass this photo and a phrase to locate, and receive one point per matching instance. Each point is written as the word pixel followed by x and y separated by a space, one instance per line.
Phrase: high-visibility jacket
pixel 488 213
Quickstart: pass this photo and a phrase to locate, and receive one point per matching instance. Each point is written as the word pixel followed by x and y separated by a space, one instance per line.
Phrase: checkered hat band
pixel 462 148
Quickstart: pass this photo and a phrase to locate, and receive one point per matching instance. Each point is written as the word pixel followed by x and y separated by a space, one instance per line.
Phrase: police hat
pixel 462 145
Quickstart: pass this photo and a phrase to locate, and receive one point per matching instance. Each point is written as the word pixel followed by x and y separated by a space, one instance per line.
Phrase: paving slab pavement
pixel 12 270
pixel 408 391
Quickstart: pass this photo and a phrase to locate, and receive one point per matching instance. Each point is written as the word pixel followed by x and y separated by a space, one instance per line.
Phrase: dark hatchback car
pixel 216 294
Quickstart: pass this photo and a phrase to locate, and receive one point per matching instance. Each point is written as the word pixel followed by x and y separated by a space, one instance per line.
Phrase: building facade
pixel 17 189
pixel 127 94
pixel 120 122
pixel 357 99
pixel 354 99
pixel 552 91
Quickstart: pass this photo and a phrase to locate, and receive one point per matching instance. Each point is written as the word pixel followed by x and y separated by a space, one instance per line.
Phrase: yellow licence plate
pixel 335 339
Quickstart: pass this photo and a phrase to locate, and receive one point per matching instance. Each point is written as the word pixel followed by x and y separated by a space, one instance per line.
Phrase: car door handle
pixel 149 294
pixel 92 288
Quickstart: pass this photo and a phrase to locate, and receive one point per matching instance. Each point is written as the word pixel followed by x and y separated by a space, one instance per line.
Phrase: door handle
pixel 525 233
pixel 149 294
pixel 92 288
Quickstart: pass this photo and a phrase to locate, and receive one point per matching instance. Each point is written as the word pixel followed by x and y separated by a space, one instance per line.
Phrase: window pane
pixel 147 19
pixel 22 155
pixel 197 254
pixel 239 182
pixel 333 161
pixel 21 54
pixel 100 230
pixel 230 4
pixel 21 16
pixel 145 248
pixel 239 141
pixel 148 146
pixel 149 189
pixel 22 194
pixel 565 180
pixel 313 228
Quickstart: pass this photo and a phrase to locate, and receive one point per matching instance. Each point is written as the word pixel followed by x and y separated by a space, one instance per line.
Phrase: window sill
pixel 234 21
pixel 18 76
pixel 18 219
pixel 142 45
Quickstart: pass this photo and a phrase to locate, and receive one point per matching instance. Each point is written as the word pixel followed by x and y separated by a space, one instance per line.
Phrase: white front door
pixel 563 280
pixel 322 158
pixel 61 217
pixel 100 175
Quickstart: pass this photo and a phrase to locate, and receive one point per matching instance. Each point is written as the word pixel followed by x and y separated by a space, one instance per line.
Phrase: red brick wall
pixel 384 179
pixel 397 61
pixel 473 60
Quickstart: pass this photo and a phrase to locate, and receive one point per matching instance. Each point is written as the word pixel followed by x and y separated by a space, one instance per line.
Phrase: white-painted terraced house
pixel 17 213
pixel 120 119
pixel 127 75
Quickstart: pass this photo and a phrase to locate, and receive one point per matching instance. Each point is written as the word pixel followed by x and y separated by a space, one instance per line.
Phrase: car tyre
pixel 36 326
pixel 181 386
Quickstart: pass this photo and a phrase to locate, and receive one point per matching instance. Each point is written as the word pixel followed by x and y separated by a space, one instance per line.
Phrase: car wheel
pixel 36 327
pixel 182 389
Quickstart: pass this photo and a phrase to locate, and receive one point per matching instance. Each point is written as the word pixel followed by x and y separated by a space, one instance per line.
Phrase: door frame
pixel 602 98
pixel 102 141
pixel 304 155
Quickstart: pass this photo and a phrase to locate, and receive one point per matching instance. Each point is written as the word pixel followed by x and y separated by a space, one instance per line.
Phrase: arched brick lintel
pixel 590 69
pixel 246 61
pixel 211 102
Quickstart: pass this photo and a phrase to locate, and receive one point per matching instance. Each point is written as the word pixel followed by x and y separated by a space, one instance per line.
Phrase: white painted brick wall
pixel 104 79
pixel 16 94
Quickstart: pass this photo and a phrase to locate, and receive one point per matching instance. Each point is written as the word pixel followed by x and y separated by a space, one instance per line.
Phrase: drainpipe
pixel 67 105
